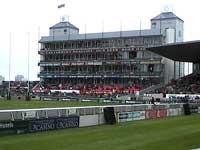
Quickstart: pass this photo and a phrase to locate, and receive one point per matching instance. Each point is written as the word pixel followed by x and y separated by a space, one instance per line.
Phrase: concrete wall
pixel 91 120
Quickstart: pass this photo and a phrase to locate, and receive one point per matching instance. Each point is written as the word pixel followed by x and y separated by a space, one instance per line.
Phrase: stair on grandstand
pixel 151 88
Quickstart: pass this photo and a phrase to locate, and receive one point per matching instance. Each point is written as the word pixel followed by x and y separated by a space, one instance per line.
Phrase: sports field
pixel 174 133
pixel 22 104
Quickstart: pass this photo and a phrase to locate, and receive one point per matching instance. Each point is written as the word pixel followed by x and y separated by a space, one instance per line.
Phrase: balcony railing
pixel 92 49
pixel 107 61
pixel 100 74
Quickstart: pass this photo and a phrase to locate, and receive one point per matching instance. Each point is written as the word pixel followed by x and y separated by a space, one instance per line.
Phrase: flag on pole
pixel 61 6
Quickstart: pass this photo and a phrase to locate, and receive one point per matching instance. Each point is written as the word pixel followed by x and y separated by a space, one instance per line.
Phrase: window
pixel 179 34
pixel 132 54
pixel 150 67
pixel 153 25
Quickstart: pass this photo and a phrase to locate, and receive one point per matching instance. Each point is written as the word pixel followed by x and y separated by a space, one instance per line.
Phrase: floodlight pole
pixel 8 94
pixel 28 98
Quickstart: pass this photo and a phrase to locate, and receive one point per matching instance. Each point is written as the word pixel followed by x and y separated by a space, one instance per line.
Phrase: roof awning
pixel 183 51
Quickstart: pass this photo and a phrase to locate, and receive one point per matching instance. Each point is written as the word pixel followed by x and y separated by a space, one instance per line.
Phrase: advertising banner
pixel 162 113
pixel 138 115
pixel 151 114
pixel 42 125
pixel 21 127
pixel 130 116
pixel 72 111
pixel 13 127
pixel 150 62
pixel 6 125
pixel 6 128
pixel 53 124
pixel 172 112
pixel 124 116
pixel 180 111
pixel 199 110
pixel 30 126
pixel 193 109
pixel 29 114
pixel 69 122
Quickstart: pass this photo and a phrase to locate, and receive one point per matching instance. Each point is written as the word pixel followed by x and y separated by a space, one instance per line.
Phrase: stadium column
pixel 174 71
pixel 179 67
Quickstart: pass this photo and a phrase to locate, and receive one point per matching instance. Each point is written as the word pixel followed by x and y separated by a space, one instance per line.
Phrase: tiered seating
pixel 187 85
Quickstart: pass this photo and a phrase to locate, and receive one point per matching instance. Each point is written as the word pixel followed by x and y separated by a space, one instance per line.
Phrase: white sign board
pixel 29 114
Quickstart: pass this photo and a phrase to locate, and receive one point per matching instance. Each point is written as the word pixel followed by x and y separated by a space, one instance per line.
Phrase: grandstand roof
pixel 65 24
pixel 105 35
pixel 166 15
pixel 182 51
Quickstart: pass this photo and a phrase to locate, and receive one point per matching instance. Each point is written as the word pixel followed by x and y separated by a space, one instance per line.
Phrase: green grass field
pixel 22 104
pixel 175 133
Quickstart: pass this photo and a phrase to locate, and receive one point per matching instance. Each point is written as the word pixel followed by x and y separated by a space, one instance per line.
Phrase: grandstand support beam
pixel 174 70
pixel 179 67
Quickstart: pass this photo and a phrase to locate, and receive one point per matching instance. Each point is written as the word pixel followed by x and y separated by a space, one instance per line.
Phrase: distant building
pixel 1 79
pixel 19 78
pixel 110 58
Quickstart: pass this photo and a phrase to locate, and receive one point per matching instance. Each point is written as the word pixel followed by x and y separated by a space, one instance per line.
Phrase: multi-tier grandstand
pixel 109 62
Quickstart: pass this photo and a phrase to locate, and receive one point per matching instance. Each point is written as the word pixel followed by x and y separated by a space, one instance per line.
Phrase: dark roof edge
pixel 174 44
pixel 166 15
pixel 64 27
pixel 57 26
pixel 41 40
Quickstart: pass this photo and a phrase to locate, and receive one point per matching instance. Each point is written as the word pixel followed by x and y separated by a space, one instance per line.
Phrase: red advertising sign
pixel 162 113
pixel 151 114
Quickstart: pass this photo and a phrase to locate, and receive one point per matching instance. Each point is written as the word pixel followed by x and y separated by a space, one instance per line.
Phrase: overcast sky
pixel 23 16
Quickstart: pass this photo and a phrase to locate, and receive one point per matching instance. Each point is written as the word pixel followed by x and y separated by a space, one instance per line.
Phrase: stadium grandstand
pixel 109 62
pixel 185 52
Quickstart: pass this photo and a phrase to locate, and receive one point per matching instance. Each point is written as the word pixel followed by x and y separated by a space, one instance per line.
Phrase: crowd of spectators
pixel 89 89
pixel 20 88
pixel 17 88
pixel 189 84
